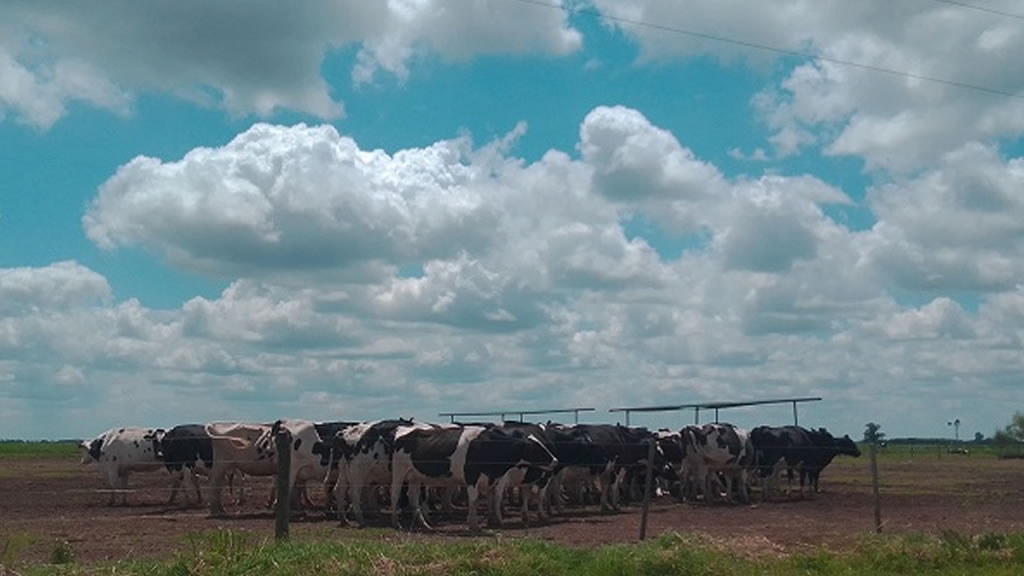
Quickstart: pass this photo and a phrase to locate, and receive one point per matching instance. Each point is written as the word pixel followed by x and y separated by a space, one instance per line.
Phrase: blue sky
pixel 653 257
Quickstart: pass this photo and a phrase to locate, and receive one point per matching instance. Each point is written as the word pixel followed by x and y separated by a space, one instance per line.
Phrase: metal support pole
pixel 696 416
pixel 576 416
pixel 649 479
pixel 874 486
pixel 627 417
pixel 716 415
pixel 796 421
pixel 284 488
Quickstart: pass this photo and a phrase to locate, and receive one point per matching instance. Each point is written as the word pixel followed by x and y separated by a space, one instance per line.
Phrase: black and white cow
pixel 724 449
pixel 532 481
pixel 360 459
pixel 670 470
pixel 234 451
pixel 776 448
pixel 306 457
pixel 472 456
pixel 121 451
pixel 324 448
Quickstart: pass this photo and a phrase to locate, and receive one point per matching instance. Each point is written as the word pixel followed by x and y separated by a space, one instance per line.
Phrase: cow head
pixel 91 450
pixel 847 446
pixel 266 444
pixel 156 438
pixel 670 451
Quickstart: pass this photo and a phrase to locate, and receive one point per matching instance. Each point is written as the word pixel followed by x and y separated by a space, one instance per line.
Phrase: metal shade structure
pixel 716 406
pixel 522 413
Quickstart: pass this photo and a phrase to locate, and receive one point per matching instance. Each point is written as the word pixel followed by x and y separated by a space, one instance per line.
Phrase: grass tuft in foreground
pixel 230 553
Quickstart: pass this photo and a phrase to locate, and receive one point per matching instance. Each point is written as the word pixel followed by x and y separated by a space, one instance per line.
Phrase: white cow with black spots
pixel 121 451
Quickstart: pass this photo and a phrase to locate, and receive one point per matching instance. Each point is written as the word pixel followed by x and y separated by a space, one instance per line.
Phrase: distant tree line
pixel 19 441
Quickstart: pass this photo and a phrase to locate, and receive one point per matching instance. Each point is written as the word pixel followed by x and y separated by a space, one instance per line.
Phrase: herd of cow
pixel 403 463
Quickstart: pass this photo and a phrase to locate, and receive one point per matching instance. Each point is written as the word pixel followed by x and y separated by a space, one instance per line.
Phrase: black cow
pixel 185 449
pixel 788 446
pixel 825 448
pixel 601 452
pixel 476 457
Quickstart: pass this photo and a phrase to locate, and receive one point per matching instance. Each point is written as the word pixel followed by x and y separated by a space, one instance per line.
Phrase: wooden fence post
pixel 284 496
pixel 873 448
pixel 647 488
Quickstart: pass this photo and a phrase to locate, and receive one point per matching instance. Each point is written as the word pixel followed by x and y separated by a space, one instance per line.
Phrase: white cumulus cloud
pixel 458 276
pixel 264 58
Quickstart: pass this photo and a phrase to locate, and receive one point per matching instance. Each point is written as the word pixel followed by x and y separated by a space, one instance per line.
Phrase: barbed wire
pixel 783 51
pixel 978 8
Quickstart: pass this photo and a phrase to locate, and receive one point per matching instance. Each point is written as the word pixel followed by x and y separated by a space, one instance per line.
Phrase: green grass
pixel 232 553
pixel 940 451
pixel 28 450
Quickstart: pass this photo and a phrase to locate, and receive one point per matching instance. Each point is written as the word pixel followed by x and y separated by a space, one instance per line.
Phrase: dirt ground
pixel 43 501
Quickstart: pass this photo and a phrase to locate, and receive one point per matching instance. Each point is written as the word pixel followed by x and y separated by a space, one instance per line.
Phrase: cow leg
pixel 216 484
pixel 123 487
pixel 497 496
pixel 272 497
pixel 495 503
pixel 553 494
pixel 373 497
pixel 344 493
pixel 604 483
pixel 620 480
pixel 741 478
pixel 357 492
pixel 176 480
pixel 525 494
pixel 448 499
pixel 231 488
pixel 399 470
pixel 542 497
pixel 415 500
pixel 396 508
pixel 195 485
pixel 473 495
pixel 708 477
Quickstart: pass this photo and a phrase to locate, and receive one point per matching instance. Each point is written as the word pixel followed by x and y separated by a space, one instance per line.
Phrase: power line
pixel 777 50
pixel 981 8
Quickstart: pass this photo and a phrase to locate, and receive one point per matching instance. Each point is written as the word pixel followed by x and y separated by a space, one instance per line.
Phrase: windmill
pixel 956 428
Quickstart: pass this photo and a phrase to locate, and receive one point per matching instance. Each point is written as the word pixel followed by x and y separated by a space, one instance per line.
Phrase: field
pixel 52 508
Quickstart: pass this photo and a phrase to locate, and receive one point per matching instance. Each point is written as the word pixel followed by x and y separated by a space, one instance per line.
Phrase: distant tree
pixel 1013 432
pixel 873 433
pixel 979 437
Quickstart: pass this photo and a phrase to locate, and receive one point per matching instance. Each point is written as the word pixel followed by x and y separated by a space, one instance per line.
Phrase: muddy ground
pixel 43 500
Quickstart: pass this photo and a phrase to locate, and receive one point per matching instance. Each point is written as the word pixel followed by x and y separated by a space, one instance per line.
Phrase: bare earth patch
pixel 43 501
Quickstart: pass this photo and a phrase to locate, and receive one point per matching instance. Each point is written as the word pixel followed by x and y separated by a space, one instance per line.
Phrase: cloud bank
pixel 528 291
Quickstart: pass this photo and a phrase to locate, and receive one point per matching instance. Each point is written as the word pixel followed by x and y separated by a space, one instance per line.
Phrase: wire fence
pixel 897 472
